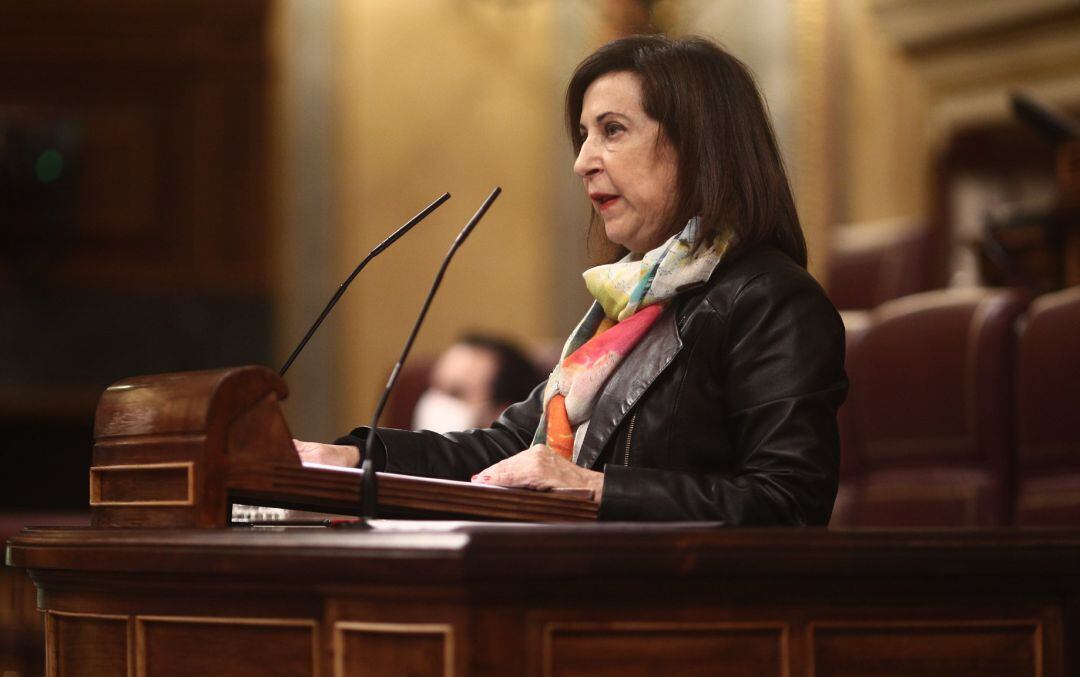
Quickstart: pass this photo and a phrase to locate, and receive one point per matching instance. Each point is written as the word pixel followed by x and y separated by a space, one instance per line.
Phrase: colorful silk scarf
pixel 630 295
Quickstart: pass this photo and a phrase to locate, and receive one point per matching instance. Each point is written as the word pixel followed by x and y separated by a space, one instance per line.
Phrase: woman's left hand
pixel 540 468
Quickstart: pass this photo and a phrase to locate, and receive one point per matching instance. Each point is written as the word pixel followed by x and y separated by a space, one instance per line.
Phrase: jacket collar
pixel 638 371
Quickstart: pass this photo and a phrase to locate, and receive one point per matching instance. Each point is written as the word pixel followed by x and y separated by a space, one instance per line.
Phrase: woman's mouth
pixel 603 200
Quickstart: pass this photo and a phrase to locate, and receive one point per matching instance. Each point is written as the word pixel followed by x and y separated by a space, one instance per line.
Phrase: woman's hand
pixel 328 454
pixel 538 467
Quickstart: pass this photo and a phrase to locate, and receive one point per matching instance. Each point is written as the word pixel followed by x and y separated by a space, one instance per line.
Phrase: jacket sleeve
pixel 456 456
pixel 779 360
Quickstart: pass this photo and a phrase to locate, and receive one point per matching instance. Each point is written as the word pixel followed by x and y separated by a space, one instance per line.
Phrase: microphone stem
pixel 356 271
pixel 368 495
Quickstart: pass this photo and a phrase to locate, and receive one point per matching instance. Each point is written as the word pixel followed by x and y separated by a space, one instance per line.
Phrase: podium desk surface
pixel 466 549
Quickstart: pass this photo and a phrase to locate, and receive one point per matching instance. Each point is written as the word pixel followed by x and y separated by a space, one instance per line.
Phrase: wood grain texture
pixel 143 484
pixel 624 649
pixel 493 552
pixel 21 624
pixel 393 649
pixel 184 402
pixel 186 645
pixel 942 649
pixel 87 644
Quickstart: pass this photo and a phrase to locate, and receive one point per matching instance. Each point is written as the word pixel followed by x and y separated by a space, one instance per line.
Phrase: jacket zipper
pixel 629 436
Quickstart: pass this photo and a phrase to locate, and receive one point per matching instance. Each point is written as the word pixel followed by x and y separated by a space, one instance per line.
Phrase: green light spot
pixel 49 165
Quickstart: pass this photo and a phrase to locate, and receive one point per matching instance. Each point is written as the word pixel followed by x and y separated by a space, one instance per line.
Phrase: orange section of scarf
pixel 622 339
pixel 560 436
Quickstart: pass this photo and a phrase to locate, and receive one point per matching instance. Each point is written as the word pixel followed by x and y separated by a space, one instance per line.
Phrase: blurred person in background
pixel 472 382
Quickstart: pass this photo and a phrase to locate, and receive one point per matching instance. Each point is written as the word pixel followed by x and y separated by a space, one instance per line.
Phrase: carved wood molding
pixel 920 25
pixel 972 54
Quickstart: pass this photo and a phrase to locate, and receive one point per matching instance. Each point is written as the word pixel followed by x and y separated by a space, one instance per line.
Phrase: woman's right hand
pixel 328 454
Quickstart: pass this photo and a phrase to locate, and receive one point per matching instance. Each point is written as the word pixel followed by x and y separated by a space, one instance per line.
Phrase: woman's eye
pixel 612 128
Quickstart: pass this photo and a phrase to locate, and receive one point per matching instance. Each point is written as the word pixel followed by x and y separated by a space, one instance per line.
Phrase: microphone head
pixel 1045 118
pixel 381 247
pixel 477 216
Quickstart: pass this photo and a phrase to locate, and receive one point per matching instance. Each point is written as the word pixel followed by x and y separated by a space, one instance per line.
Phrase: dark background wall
pixel 134 234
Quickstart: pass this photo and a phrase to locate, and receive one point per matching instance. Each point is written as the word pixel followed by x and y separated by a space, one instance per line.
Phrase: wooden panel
pixel 628 649
pixel 143 484
pixel 988 649
pixel 388 649
pixel 22 635
pixel 158 110
pixel 185 646
pixel 17 600
pixel 86 644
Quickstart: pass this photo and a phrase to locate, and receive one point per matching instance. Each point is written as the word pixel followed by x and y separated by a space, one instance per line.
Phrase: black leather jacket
pixel 725 411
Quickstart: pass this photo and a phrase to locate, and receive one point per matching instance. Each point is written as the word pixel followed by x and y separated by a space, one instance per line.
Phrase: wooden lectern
pixel 176 450
pixel 426 598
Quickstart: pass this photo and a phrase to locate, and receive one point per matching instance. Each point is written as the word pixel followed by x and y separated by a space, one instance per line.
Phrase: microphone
pixel 345 285
pixel 368 487
pixel 1046 119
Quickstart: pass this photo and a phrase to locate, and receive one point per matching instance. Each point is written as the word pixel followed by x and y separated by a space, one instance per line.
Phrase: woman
pixel 704 382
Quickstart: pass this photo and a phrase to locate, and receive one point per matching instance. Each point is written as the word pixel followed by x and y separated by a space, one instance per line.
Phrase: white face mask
pixel 442 413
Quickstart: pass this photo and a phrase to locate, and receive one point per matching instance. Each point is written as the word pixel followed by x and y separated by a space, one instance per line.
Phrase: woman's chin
pixel 620 236
pixel 630 243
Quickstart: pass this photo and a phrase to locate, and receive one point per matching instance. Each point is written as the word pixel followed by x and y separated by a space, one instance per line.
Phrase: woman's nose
pixel 588 161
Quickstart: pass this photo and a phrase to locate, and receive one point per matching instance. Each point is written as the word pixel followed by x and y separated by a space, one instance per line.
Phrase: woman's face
pixel 628 165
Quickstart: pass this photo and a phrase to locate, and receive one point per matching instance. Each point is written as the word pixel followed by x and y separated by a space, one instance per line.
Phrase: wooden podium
pixel 161 585
pixel 540 600
pixel 176 450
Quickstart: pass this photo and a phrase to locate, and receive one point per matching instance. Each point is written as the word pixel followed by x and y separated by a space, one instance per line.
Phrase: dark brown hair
pixel 730 172
pixel 516 374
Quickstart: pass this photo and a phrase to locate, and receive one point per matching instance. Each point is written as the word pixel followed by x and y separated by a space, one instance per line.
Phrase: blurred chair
pixel 933 383
pixel 1048 412
pixel 411 384
pixel 856 323
pixel 870 263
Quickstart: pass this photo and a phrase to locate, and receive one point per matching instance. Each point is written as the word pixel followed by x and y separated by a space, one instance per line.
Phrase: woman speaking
pixel 704 381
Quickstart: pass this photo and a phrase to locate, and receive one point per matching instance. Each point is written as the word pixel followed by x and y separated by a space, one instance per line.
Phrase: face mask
pixel 442 413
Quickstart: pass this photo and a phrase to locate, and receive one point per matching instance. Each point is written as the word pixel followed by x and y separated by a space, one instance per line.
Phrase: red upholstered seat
pixel 932 382
pixel 411 384
pixel 856 322
pixel 870 263
pixel 1048 412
